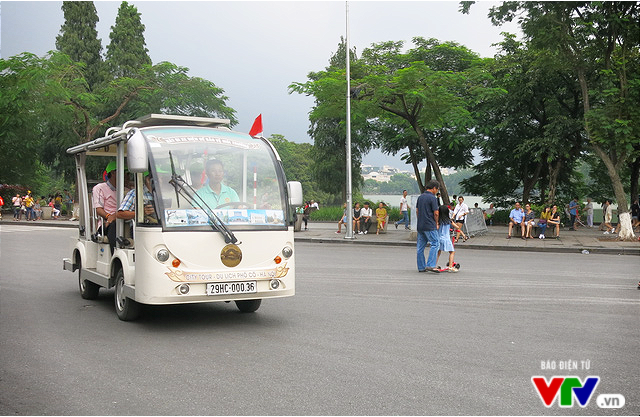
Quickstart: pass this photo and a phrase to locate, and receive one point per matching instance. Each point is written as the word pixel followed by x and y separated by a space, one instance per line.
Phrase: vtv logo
pixel 568 386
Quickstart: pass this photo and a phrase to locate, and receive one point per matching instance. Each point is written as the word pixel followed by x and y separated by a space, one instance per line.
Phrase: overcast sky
pixel 254 50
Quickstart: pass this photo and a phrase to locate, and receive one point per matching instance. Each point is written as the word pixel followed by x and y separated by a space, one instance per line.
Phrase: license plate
pixel 239 287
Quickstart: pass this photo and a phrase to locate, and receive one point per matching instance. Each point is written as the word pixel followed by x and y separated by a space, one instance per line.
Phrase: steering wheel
pixel 235 204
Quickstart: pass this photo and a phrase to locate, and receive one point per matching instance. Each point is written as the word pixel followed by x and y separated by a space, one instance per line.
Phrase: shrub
pixel 333 213
pixel 327 213
pixel 8 191
pixel 501 216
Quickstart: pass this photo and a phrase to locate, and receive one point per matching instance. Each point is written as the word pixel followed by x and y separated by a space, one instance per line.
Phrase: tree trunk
pixel 428 173
pixel 554 171
pixel 626 231
pixel 416 171
pixel 528 184
pixel 431 160
pixel 635 177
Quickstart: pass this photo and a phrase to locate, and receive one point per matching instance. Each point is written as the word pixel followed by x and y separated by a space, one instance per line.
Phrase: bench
pixel 535 231
pixel 550 230
pixel 374 224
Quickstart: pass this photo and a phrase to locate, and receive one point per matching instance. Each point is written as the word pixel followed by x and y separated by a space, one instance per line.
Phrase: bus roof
pixel 101 146
pixel 168 119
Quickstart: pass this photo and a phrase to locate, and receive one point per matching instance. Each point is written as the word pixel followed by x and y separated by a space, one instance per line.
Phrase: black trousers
pixel 111 235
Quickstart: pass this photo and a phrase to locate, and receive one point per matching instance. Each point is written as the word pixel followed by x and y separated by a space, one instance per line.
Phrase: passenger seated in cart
pixel 104 202
pixel 127 211
pixel 215 193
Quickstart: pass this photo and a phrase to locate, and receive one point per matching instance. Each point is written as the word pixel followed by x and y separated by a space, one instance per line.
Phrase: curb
pixel 55 223
pixel 592 250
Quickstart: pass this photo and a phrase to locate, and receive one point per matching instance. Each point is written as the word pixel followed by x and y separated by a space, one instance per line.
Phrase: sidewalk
pixel 591 240
pixel 495 239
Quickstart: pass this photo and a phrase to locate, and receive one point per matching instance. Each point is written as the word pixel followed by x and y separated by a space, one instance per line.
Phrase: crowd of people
pixel 361 218
pixel 549 217
pixel 31 207
pixel 547 222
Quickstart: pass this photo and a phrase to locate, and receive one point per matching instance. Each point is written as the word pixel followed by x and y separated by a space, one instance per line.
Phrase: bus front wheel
pixel 248 306
pixel 126 308
pixel 88 290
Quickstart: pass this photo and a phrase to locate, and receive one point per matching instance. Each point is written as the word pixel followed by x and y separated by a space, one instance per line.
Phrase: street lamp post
pixel 349 234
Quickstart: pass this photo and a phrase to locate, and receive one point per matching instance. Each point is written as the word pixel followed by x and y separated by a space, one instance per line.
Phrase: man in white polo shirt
pixel 365 218
pixel 404 209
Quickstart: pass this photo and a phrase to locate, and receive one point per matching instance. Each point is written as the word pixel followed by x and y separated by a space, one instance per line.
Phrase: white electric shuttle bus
pixel 213 217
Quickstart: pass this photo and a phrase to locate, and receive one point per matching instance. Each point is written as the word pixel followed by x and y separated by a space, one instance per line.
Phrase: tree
pixel 328 124
pixel 78 39
pixel 296 161
pixel 416 100
pixel 428 90
pixel 48 98
pixel 532 134
pixel 600 41
pixel 127 52
pixel 21 78
pixel 62 99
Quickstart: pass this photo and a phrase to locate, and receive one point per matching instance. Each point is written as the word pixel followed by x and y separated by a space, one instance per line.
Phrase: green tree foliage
pixel 78 39
pixel 127 52
pixel 33 120
pixel 49 104
pixel 20 137
pixel 297 161
pixel 600 42
pixel 532 132
pixel 328 125
pixel 418 100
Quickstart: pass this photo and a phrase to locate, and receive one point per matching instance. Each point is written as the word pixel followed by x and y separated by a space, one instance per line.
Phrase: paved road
pixel 366 334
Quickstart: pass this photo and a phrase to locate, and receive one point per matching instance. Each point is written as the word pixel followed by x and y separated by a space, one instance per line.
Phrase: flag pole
pixel 349 234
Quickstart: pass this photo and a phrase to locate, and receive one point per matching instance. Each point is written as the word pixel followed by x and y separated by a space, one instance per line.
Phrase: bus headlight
pixel 162 255
pixel 274 284
pixel 287 251
pixel 183 289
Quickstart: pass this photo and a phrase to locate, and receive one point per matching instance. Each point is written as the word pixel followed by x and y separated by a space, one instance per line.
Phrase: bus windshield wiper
pixel 189 193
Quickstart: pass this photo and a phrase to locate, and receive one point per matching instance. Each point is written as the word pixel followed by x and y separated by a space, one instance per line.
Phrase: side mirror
pixel 295 193
pixel 137 160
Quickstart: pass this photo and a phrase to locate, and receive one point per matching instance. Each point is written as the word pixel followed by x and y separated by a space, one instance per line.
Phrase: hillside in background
pixel 401 182
pixel 452 181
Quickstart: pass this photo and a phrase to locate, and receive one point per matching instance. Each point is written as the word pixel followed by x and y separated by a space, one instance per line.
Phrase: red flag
pixel 257 126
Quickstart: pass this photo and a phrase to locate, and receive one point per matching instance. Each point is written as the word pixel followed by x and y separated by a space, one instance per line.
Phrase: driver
pixel 215 193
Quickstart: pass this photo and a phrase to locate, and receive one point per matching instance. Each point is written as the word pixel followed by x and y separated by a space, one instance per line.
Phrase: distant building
pixel 384 173
pixel 380 174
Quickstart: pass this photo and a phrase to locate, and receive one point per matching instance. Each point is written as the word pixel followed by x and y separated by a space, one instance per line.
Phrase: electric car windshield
pixel 207 178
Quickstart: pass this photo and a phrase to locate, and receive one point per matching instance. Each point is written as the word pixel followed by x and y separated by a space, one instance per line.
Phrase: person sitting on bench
pixel 365 218
pixel 516 218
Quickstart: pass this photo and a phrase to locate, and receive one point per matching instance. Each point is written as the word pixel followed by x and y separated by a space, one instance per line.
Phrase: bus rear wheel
pixel 126 308
pixel 248 306
pixel 88 290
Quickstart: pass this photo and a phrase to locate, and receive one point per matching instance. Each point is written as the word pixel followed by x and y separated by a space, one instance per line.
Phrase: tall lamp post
pixel 349 234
